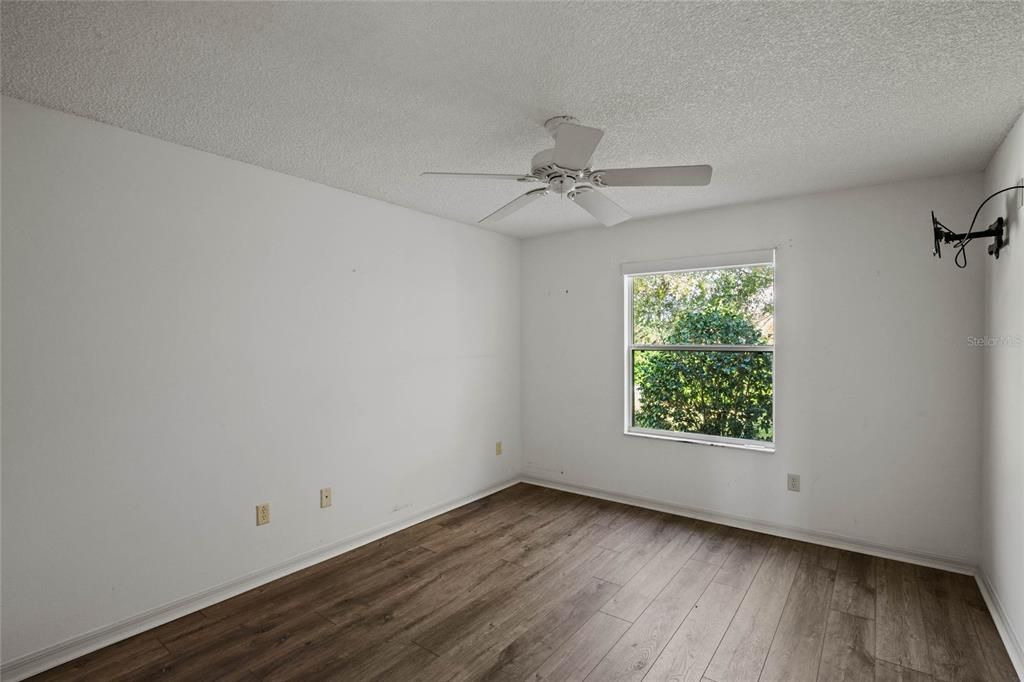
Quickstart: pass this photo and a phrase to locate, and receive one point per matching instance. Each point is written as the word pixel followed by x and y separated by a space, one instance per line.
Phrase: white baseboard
pixel 1014 646
pixel 31 664
pixel 946 563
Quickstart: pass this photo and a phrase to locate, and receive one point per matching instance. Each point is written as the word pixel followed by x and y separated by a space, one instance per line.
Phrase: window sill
pixel 752 446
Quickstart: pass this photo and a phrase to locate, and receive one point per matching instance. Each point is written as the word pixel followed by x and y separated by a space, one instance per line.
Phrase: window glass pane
pixel 717 393
pixel 726 306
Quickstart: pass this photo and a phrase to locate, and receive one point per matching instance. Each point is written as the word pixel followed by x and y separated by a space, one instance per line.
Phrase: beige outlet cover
pixel 263 514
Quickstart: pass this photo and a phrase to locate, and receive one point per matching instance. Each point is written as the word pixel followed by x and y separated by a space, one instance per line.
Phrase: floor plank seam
pixel 927 643
pixel 990 664
pixel 555 648
pixel 420 646
pixel 746 591
pixel 828 610
pixel 874 567
pixel 696 601
pixel 641 614
pixel 824 630
pixel 789 594
pixel 740 603
pixel 821 645
pixel 610 649
pixel 669 638
pixel 612 615
pixel 161 642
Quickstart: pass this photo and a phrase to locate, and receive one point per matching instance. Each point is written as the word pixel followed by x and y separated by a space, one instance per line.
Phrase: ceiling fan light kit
pixel 565 171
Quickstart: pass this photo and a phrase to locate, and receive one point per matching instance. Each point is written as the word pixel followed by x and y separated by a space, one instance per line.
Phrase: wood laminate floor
pixel 536 584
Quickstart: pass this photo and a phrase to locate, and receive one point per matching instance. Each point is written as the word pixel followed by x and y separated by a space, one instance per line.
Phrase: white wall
pixel 186 336
pixel 1002 504
pixel 877 387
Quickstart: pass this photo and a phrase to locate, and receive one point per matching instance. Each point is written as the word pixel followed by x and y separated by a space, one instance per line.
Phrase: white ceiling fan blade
pixel 515 205
pixel 574 145
pixel 486 176
pixel 601 207
pixel 659 176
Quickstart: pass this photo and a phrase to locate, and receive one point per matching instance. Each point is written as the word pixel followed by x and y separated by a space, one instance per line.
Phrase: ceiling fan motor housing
pixel 562 184
pixel 560 180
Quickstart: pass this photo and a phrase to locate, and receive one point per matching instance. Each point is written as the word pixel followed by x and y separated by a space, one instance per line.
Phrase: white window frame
pixel 697 263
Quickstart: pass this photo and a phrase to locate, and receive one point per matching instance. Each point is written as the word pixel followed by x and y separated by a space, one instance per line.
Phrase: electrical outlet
pixel 263 514
pixel 325 498
pixel 497 448
pixel 793 482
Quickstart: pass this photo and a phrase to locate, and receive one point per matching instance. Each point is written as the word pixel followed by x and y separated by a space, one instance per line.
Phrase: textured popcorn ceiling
pixel 780 98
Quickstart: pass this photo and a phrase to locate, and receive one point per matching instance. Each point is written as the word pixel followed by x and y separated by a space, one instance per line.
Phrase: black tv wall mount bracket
pixel 997 231
pixel 943 234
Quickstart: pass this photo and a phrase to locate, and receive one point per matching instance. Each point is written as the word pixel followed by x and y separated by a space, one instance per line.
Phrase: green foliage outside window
pixel 706 391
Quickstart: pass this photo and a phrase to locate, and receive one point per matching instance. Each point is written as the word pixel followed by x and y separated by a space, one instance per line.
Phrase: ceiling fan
pixel 565 171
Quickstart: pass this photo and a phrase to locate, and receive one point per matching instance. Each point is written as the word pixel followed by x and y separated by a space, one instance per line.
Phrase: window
pixel 700 348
